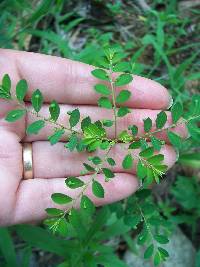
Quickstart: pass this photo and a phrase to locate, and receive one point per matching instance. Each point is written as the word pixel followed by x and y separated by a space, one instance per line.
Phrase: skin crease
pixel 71 84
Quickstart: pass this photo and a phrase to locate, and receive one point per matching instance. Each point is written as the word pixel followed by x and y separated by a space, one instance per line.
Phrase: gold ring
pixel 27 161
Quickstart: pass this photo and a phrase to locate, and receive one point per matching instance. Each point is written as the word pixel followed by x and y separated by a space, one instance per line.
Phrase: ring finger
pixel 57 161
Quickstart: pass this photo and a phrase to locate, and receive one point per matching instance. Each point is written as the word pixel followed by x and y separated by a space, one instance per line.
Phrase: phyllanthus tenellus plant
pixel 127 135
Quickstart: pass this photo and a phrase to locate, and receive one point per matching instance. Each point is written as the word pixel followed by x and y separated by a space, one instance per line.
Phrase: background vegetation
pixel 162 39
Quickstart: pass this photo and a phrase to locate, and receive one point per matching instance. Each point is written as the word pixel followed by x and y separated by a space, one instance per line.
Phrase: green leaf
pixel 149 252
pixel 55 138
pixel 95 160
pixel 94 132
pixel 111 161
pixel 85 123
pixel 87 205
pixel 157 258
pixel 127 162
pixel 190 159
pixel 4 95
pixel 174 139
pixel 135 145
pixel 62 227
pixel 6 85
pixel 125 136
pixel 15 115
pixel 74 117
pixel 102 89
pixel 60 198
pixel 156 159
pixel 73 141
pixel 141 170
pixel 21 89
pixel 100 74
pixel 54 110
pixel 54 212
pixel 177 111
pixel 108 173
pixel 122 67
pixel 123 96
pixel 161 239
pixel 94 145
pixel 132 220
pixel 134 129
pixel 105 145
pixel 105 102
pixel 148 152
pixel 88 167
pixel 163 252
pixel 7 248
pixel 123 79
pixel 97 189
pixel 123 111
pixel 161 120
pixel 107 123
pixel 74 182
pixel 143 237
pixel 37 100
pixel 147 125
pixel 35 127
pixel 156 143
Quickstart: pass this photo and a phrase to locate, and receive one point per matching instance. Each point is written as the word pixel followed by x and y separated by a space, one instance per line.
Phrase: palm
pixel 68 83
pixel 10 162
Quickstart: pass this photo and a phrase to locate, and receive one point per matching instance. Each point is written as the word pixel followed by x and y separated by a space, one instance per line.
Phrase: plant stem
pixel 112 84
pixel 48 120
pixel 183 121
pixel 146 223
pixel 74 201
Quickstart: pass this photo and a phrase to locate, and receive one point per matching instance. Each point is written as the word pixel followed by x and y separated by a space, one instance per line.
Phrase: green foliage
pixel 61 199
pixel 74 182
pixel 123 79
pixel 54 110
pixel 97 189
pixel 21 90
pixel 123 96
pixel 108 173
pixel 56 136
pixel 15 115
pixel 127 162
pixel 161 120
pixel 175 139
pixel 100 74
pixel 35 127
pixel 104 102
pixel 84 226
pixel 177 112
pixel 37 100
pixel 74 117
pixel 102 89
pixel 5 87
pixel 147 125
pixel 123 111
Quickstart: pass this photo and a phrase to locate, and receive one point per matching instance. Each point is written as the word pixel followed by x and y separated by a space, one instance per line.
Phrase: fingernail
pixel 171 101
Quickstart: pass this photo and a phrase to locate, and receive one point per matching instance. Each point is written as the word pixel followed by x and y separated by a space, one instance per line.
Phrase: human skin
pixel 71 84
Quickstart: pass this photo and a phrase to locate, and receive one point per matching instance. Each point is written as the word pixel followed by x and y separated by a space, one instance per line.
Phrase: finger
pixel 71 82
pixel 136 117
pixel 34 196
pixel 51 161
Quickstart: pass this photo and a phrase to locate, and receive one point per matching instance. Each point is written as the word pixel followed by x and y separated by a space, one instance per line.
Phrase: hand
pixel 70 84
